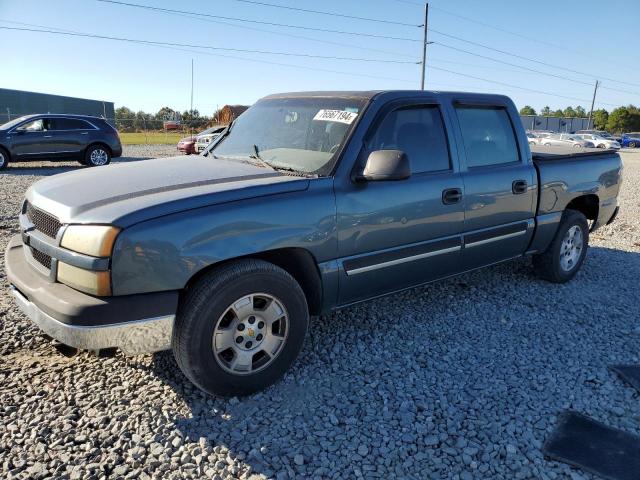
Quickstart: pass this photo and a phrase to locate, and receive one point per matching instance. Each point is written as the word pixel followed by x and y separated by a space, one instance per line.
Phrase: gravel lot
pixel 474 395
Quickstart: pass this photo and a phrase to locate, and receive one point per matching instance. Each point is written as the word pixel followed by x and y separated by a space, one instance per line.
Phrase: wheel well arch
pixel 588 205
pixel 6 150
pixel 297 262
pixel 98 142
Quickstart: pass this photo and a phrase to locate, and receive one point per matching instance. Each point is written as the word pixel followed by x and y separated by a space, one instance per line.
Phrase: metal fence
pixel 555 124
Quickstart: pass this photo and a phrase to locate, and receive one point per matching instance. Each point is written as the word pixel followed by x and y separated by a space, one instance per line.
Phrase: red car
pixel 187 145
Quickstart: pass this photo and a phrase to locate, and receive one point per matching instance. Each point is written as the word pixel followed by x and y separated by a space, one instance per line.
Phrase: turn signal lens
pixel 88 281
pixel 94 240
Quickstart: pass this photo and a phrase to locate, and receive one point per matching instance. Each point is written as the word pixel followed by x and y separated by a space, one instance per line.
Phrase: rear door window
pixel 70 124
pixel 488 136
pixel 419 133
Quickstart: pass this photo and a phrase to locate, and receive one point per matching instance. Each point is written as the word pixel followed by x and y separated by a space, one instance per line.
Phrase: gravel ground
pixel 475 395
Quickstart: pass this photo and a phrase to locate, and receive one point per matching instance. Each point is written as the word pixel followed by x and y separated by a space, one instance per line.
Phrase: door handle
pixel 84 133
pixel 519 187
pixel 451 196
pixel 47 136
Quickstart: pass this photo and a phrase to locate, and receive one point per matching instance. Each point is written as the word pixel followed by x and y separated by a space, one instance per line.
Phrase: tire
pixel 4 158
pixel 560 262
pixel 97 156
pixel 217 304
pixel 602 145
pixel 632 144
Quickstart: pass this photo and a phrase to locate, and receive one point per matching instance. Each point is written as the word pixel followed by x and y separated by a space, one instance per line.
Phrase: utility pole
pixel 191 111
pixel 424 46
pixel 593 101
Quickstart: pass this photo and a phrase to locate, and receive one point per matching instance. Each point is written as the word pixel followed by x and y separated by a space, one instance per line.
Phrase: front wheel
pixel 632 144
pixel 4 158
pixel 240 328
pixel 96 156
pixel 564 257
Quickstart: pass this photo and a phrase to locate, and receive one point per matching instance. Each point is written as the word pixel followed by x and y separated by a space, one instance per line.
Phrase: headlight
pixel 89 281
pixel 94 240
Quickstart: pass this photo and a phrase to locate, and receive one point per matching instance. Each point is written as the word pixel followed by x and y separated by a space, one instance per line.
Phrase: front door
pixel 32 138
pixel 500 187
pixel 395 234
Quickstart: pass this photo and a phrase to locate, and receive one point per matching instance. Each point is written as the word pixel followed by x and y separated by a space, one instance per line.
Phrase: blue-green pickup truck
pixel 307 203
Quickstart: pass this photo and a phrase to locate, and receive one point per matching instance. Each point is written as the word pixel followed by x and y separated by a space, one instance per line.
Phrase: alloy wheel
pixel 571 248
pixel 250 334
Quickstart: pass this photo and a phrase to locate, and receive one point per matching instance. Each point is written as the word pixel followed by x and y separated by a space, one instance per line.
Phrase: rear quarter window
pixel 488 136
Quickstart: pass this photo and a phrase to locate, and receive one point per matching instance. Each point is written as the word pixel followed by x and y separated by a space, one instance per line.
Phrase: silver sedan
pixel 566 140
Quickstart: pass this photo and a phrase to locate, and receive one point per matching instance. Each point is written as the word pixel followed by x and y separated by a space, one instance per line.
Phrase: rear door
pixel 500 185
pixel 71 135
pixel 395 234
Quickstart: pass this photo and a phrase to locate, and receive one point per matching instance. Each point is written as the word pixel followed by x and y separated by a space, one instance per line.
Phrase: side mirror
pixel 385 165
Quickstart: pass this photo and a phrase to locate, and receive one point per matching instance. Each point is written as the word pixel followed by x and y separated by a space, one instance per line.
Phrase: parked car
pixel 566 140
pixel 204 139
pixel 187 145
pixel 309 202
pixel 598 141
pixel 89 140
pixel 532 138
pixel 600 133
pixel 631 140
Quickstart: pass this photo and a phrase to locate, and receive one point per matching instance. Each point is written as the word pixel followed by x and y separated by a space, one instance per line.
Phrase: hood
pixel 127 193
pixel 187 139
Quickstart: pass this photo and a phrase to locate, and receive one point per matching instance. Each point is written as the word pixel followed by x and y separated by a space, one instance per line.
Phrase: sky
pixel 589 39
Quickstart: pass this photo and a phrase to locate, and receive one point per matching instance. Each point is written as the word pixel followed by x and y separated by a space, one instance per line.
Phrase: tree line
pixel 621 119
pixel 129 121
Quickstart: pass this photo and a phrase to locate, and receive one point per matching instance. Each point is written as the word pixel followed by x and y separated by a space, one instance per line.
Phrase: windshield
pixel 296 134
pixel 13 123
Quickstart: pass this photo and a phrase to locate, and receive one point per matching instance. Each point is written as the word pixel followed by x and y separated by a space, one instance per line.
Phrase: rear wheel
pixel 4 158
pixel 240 328
pixel 632 144
pixel 564 257
pixel 602 145
pixel 97 155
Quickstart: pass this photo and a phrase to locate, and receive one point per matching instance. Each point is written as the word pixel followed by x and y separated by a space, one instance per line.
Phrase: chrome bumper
pixel 141 336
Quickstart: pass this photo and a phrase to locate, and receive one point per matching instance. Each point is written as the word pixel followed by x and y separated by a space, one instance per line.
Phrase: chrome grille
pixel 42 258
pixel 45 223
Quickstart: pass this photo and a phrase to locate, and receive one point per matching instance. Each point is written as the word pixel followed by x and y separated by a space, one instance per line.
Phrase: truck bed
pixel 540 152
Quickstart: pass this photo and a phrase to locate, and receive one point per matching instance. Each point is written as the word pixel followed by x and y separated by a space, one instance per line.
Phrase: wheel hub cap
pixel 250 334
pixel 571 248
pixel 99 157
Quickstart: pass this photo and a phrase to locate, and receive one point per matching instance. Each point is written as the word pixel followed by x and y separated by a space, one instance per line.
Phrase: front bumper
pixel 133 323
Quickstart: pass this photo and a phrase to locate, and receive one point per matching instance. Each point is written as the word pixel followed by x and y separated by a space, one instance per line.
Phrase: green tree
pixel 546 111
pixel 558 113
pixel 569 112
pixel 527 110
pixel 166 113
pixel 600 119
pixel 124 118
pixel 624 119
pixel 580 112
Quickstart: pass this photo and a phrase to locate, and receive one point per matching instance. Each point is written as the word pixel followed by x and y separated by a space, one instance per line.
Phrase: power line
pixel 528 59
pixel 530 69
pixel 268 62
pixel 515 86
pixel 209 47
pixel 332 14
pixel 293 35
pixel 261 22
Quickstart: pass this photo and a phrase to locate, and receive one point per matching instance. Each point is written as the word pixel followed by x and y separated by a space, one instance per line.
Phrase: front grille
pixel 45 223
pixel 42 258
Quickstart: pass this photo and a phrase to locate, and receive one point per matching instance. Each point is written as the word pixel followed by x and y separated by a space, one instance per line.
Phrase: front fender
pixel 164 253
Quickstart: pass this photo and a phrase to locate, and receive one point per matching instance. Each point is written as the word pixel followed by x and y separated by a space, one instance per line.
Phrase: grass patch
pixel 151 138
